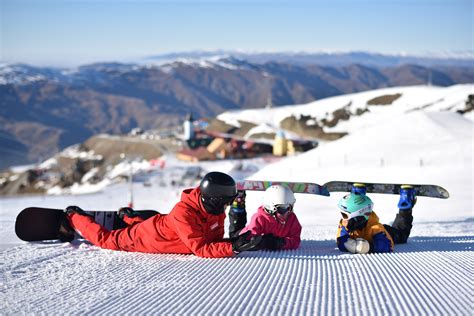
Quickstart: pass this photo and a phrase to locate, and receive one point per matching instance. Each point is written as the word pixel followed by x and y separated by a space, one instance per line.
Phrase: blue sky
pixel 71 32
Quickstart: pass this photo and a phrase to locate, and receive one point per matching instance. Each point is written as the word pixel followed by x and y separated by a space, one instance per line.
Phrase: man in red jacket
pixel 194 226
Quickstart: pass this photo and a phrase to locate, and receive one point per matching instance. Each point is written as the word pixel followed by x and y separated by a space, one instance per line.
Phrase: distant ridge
pixel 43 110
pixel 463 59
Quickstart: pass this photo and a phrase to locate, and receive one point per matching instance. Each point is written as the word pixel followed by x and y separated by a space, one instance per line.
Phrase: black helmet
pixel 218 184
pixel 217 191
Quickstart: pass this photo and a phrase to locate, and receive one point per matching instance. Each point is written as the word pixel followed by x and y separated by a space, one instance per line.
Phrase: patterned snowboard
pixel 428 190
pixel 296 187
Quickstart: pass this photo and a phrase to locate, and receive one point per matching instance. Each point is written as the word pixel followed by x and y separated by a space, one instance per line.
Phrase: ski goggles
pixel 283 208
pixel 362 212
pixel 217 205
pixel 220 200
pixel 348 216
pixel 357 223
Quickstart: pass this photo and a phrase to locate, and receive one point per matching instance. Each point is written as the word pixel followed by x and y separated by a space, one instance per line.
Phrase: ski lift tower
pixel 188 127
pixel 129 160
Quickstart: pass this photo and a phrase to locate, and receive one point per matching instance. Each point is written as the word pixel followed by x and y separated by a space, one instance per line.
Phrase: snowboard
pixel 35 223
pixel 296 187
pixel 428 190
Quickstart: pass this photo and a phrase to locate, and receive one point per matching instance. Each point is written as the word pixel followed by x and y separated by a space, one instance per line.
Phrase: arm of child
pixel 381 243
pixel 381 240
pixel 293 240
pixel 256 226
pixel 342 237
pixel 259 226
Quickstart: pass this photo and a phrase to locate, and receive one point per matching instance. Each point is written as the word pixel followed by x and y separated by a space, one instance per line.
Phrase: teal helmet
pixel 353 205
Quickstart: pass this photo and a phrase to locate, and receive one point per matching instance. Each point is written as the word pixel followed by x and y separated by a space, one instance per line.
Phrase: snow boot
pixel 72 209
pixel 407 198
pixel 127 212
pixel 66 233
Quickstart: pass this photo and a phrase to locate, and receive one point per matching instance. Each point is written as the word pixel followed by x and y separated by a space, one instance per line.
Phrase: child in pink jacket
pixel 274 220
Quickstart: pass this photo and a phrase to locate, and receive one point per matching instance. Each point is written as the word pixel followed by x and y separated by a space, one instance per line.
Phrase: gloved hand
pixel 72 209
pixel 246 242
pixel 239 202
pixel 126 211
pixel 358 245
pixel 271 242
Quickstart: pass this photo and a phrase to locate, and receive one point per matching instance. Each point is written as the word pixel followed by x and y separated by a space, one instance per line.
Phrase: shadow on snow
pixel 327 249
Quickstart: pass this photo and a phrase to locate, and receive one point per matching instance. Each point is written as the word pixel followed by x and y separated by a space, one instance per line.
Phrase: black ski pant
pixel 237 222
pixel 401 227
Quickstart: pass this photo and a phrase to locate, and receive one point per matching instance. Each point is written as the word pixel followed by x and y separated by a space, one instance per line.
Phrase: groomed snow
pixel 430 275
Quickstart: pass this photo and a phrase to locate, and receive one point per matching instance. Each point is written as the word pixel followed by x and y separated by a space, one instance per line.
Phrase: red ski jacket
pixel 187 229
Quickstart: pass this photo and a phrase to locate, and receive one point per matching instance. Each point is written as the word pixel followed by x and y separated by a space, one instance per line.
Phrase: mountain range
pixel 462 58
pixel 44 109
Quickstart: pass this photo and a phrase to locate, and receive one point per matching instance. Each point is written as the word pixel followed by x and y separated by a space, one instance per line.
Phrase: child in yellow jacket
pixel 360 231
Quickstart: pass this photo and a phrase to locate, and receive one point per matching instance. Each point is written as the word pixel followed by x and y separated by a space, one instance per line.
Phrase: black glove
pixel 271 242
pixel 75 210
pixel 126 211
pixel 239 201
pixel 246 242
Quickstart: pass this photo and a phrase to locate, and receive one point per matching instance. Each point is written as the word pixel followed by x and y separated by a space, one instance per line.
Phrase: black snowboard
pixel 35 223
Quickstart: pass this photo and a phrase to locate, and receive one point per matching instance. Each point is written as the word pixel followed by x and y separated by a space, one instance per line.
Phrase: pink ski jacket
pixel 264 223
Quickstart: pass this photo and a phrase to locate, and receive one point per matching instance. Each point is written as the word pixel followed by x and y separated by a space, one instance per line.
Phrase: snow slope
pixel 430 275
pixel 427 98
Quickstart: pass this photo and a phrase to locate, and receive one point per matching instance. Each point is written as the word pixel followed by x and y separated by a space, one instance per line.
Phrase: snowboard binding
pixel 407 197
pixel 359 189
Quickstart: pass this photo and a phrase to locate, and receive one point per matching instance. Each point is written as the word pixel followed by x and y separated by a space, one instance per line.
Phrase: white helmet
pixel 278 200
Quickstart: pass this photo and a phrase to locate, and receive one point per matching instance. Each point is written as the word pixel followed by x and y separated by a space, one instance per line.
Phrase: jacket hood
pixel 192 198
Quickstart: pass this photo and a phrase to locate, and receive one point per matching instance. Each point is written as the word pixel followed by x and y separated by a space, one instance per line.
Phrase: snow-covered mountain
pixel 46 109
pixel 351 112
pixel 430 275
pixel 326 58
pixel 22 73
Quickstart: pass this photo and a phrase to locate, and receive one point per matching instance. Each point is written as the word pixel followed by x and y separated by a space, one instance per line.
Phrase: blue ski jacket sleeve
pixel 343 236
pixel 380 243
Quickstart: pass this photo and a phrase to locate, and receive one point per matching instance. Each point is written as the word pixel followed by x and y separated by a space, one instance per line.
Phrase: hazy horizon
pixel 464 55
pixel 71 32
